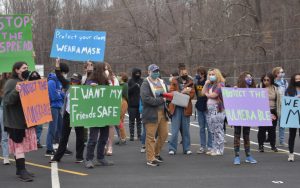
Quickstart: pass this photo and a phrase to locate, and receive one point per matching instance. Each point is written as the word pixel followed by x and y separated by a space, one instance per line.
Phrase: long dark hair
pixel 241 83
pixel 291 90
pixel 98 74
pixel 17 65
pixel 4 78
pixel 270 76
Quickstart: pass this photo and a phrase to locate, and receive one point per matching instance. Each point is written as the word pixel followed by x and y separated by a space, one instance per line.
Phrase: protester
pixel 293 91
pixel 4 135
pixel 34 75
pixel 267 81
pixel 201 106
pixel 245 80
pixel 98 77
pixel 215 110
pixel 154 115
pixel 56 94
pixel 88 69
pixel 21 138
pixel 282 85
pixel 180 115
pixel 134 85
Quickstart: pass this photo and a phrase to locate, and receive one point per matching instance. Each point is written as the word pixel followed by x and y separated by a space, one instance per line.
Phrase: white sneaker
pixel 171 152
pixel 216 154
pixel 201 150
pixel 291 157
pixel 189 152
pixel 6 161
pixel 143 149
pixel 209 151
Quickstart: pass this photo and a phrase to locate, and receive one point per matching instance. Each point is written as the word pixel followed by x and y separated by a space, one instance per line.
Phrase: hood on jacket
pixel 135 71
pixel 52 76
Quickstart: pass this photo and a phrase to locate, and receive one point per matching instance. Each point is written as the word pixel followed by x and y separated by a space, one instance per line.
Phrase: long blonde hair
pixel 218 74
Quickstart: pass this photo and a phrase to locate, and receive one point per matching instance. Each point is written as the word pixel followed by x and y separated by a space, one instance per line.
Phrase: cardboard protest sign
pixel 290 112
pixel 35 102
pixel 76 45
pixel 95 106
pixel 247 107
pixel 15 41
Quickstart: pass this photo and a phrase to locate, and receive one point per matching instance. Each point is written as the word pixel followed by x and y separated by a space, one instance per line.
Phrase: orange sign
pixel 35 102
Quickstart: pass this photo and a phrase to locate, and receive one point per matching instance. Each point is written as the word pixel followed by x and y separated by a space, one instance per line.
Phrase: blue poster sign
pixel 290 112
pixel 77 45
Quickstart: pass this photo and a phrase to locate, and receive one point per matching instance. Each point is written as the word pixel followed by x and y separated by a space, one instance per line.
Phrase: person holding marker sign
pixel 267 81
pixel 215 110
pixel 21 138
pixel 293 91
pixel 245 81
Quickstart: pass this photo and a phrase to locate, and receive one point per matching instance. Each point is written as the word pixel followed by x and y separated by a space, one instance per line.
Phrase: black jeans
pixel 94 139
pixel 261 136
pixel 293 132
pixel 65 138
pixel 134 114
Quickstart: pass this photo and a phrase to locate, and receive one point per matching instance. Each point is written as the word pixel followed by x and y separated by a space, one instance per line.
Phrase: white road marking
pixel 54 176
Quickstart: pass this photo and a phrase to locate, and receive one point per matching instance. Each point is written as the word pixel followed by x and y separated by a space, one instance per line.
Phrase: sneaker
pixel 39 145
pixel 283 144
pixel 68 152
pixel 201 150
pixel 24 176
pixel 6 161
pixel 131 139
pixel 89 164
pixel 122 142
pixel 237 161
pixel 49 153
pixel 104 162
pixel 261 148
pixel 152 163
pixel 79 161
pixel 18 173
pixel 250 159
pixel 274 149
pixel 215 153
pixel 143 149
pixel 54 160
pixel 291 157
pixel 189 152
pixel 209 151
pixel 159 159
pixel 171 152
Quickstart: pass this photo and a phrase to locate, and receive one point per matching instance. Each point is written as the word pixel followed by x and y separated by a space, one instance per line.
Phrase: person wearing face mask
pixel 34 75
pixel 293 91
pixel 75 80
pixel 215 110
pixel 154 115
pixel 21 138
pixel 56 96
pixel 267 81
pixel 245 80
pixel 282 85
pixel 134 85
pixel 180 115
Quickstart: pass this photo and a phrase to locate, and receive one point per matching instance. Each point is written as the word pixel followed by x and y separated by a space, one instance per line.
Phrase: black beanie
pixel 64 67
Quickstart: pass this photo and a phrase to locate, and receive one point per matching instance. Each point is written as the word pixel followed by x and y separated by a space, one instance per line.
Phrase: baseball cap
pixel 76 76
pixel 153 67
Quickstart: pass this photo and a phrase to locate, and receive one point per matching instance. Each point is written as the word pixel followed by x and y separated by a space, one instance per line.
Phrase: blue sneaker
pixel 251 160
pixel 237 161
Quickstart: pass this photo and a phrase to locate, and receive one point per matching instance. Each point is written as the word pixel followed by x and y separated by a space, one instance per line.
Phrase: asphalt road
pixel 130 170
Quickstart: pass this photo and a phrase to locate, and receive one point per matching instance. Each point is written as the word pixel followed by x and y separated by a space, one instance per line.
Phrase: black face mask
pixel 297 84
pixel 25 74
pixel 185 77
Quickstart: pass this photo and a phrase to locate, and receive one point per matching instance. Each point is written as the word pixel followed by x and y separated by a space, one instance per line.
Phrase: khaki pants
pixel 153 147
pixel 124 107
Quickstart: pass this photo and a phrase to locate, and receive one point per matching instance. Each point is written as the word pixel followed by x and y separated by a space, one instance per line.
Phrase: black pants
pixel 134 115
pixel 237 139
pixel 293 132
pixel 95 139
pixel 65 138
pixel 261 136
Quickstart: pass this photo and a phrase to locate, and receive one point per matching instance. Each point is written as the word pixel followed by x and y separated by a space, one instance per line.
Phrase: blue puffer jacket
pixel 56 93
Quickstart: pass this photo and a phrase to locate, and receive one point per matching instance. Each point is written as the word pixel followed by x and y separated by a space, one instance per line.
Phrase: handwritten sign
pixel 97 106
pixel 290 112
pixel 76 45
pixel 15 41
pixel 35 102
pixel 247 107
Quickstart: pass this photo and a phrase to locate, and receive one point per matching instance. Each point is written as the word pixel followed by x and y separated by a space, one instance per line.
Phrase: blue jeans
pixel 143 137
pixel 95 139
pixel 54 128
pixel 179 119
pixel 4 138
pixel 281 132
pixel 38 129
pixel 203 128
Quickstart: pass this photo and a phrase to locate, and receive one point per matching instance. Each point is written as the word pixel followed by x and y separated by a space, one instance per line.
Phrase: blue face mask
pixel 154 75
pixel 248 81
pixel 213 78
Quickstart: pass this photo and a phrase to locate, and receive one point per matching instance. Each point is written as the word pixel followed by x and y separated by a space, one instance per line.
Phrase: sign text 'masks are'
pixel 95 106
pixel 247 106
pixel 15 41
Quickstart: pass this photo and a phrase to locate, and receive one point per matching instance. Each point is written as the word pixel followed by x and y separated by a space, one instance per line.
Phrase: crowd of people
pixel 149 109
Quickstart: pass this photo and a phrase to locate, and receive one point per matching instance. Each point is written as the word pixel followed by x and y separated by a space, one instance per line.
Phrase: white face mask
pixel 65 76
pixel 106 73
